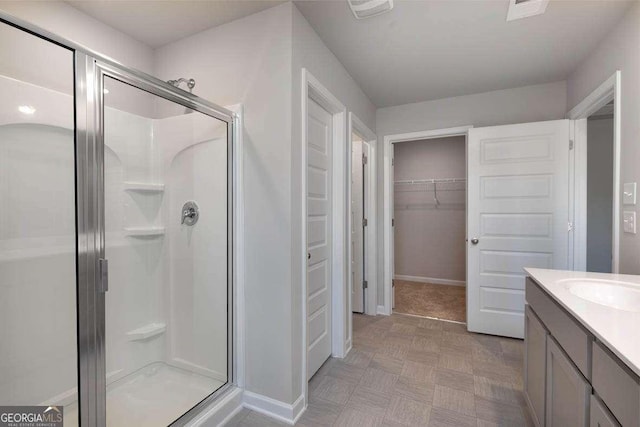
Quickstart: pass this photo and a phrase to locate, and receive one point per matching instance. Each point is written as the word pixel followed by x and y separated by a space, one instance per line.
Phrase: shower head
pixel 191 83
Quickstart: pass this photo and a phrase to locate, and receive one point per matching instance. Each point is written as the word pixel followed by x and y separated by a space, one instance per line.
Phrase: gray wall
pixel 620 50
pixel 519 105
pixel 430 240
pixel 599 193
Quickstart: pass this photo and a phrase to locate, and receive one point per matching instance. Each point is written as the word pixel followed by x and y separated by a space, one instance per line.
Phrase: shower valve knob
pixel 190 213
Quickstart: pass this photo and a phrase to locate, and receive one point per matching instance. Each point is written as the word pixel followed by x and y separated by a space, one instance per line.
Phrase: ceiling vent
pixel 367 8
pixel 519 9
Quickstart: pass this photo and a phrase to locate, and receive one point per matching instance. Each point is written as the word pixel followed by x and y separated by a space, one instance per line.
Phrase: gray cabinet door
pixel 535 367
pixel 600 415
pixel 567 391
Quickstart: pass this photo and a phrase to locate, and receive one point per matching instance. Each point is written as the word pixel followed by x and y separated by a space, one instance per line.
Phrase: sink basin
pixel 611 293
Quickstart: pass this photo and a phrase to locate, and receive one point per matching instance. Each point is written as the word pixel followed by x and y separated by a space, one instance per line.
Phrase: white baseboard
pixel 430 280
pixel 221 411
pixel 287 413
pixel 380 310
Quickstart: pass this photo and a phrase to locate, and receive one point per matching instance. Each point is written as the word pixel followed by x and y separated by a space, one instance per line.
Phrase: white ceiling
pixel 157 23
pixel 425 50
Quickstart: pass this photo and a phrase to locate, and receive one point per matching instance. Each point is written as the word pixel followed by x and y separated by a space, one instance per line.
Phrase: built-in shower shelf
pixel 147 331
pixel 143 187
pixel 144 231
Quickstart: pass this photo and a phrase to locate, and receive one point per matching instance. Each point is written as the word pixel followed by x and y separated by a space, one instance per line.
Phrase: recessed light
pixel 26 109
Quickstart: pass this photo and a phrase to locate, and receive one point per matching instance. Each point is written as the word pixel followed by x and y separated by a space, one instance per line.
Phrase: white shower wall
pixel 178 279
pixel 193 151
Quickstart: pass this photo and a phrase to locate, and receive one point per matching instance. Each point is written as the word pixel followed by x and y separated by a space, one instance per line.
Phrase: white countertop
pixel 619 330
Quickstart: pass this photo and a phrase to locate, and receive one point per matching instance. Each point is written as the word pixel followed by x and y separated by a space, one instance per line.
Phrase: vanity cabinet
pixel 535 355
pixel 570 378
pixel 600 415
pixel 568 392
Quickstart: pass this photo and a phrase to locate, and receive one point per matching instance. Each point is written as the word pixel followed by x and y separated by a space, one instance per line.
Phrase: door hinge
pixel 392 161
pixel 364 159
pixel 393 222
pixel 571 144
pixel 103 271
pixel 365 284
pixel 365 222
pixel 570 226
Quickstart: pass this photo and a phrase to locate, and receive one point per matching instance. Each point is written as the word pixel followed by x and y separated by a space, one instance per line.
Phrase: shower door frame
pixel 90 68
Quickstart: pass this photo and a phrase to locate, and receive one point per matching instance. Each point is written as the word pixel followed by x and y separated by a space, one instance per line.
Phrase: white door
pixel 518 216
pixel 357 225
pixel 319 142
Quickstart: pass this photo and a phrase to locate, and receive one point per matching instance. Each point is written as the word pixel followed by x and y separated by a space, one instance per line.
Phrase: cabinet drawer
pixel 600 415
pixel 617 386
pixel 573 338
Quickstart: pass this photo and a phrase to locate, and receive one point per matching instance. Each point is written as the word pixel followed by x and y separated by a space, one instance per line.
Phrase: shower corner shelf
pixel 147 331
pixel 143 187
pixel 144 231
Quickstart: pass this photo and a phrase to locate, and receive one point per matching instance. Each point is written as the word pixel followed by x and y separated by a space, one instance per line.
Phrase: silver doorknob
pixel 475 241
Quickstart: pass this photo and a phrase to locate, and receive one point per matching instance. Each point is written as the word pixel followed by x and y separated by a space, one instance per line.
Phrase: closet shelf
pixel 143 187
pixel 429 181
pixel 144 231
pixel 147 331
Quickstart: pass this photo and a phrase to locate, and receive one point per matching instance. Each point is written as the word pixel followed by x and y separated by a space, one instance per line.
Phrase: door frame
pixel 91 210
pixel 369 137
pixel 609 90
pixel 340 327
pixel 386 308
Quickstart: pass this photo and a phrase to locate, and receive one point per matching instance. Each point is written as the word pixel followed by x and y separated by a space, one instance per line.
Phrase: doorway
pixel 359 221
pixel 430 227
pixel 600 190
pixel 596 167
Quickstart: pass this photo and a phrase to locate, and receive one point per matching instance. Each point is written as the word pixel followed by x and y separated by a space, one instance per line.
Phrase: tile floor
pixel 411 371
pixel 426 299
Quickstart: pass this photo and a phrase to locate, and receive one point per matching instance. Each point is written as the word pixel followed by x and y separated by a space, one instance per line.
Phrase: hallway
pixel 411 371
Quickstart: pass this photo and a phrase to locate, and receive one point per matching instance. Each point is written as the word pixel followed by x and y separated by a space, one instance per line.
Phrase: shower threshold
pixel 154 395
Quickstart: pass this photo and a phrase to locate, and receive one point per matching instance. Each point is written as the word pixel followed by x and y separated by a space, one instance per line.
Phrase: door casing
pixel 371 234
pixel 609 90
pixel 340 311
pixel 387 307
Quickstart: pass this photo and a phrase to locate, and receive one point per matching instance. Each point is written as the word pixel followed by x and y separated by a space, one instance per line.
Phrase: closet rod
pixel 430 181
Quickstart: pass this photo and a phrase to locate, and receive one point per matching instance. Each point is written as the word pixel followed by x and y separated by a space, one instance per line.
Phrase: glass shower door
pixel 166 238
pixel 38 343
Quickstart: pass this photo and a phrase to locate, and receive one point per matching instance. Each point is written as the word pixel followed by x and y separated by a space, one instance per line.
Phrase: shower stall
pixel 116 208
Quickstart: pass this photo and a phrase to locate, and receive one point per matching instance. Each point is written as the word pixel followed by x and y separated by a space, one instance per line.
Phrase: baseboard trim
pixel 380 310
pixel 287 413
pixel 430 280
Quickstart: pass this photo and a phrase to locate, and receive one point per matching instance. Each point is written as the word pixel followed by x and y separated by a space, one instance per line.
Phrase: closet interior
pixel 430 228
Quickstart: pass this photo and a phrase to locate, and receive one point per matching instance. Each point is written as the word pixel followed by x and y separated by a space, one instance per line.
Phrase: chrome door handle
pixel 475 241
